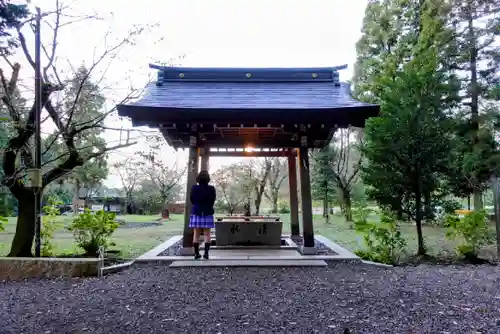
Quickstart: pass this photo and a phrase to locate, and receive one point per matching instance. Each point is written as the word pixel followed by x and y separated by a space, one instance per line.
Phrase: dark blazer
pixel 203 199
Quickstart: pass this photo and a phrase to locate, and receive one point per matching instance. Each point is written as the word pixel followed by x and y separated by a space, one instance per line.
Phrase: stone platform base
pixel 12 268
pixel 308 250
pixel 186 251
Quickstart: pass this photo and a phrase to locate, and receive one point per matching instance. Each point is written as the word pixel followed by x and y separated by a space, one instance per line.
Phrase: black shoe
pixel 207 248
pixel 197 254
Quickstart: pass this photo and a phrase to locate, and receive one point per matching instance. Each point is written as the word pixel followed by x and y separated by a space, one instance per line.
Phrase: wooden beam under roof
pixel 255 153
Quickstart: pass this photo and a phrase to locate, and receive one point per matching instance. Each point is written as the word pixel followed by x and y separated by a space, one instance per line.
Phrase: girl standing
pixel 202 198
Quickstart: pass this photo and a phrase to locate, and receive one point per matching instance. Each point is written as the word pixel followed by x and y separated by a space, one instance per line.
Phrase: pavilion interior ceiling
pixel 248 135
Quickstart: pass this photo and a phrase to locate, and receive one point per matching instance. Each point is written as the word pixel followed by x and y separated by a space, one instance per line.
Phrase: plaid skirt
pixel 201 221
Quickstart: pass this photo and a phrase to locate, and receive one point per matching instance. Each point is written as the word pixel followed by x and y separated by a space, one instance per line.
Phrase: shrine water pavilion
pixel 277 111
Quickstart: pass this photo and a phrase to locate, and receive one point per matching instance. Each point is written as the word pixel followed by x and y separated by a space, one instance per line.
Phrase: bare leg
pixel 196 235
pixel 206 235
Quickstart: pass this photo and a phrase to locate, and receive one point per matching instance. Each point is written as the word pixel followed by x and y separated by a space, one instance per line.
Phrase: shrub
pixel 93 230
pixel 384 241
pixel 444 208
pixel 361 213
pixel 3 221
pixel 450 206
pixel 49 225
pixel 473 230
pixel 283 207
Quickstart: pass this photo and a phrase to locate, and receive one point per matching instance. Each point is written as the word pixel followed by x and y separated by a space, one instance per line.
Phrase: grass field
pixel 132 242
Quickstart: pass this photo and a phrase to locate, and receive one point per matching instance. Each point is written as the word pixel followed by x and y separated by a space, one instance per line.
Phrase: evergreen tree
pixel 476 24
pixel 84 103
pixel 407 148
pixel 323 186
pixel 10 17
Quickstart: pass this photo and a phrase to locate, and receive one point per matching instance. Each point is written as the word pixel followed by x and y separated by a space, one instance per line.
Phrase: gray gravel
pixel 174 250
pixel 155 299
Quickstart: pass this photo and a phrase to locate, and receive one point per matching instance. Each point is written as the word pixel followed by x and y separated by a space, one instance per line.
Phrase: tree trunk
pixel 25 229
pixel 428 210
pixel 275 204
pixel 325 206
pixel 348 208
pixel 478 200
pixel 257 202
pixel 468 202
pixel 326 213
pixel 346 204
pixel 399 213
pixel 418 222
pixel 76 198
pixel 474 95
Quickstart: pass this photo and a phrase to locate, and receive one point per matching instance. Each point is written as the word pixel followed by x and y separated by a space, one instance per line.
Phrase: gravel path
pixel 155 299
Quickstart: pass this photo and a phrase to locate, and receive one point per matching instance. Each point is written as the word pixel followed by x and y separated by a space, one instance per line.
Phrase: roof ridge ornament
pixel 234 75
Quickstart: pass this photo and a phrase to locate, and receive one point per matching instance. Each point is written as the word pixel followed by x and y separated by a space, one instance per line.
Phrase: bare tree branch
pixel 104 55
pixel 72 162
pixel 24 47
pixel 52 55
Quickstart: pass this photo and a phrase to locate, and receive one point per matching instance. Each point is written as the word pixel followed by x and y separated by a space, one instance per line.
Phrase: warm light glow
pixel 249 149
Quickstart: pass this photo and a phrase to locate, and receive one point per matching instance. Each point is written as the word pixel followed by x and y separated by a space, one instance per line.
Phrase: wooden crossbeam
pixel 252 153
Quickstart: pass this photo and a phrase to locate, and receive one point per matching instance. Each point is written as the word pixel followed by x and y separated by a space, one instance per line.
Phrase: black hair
pixel 203 177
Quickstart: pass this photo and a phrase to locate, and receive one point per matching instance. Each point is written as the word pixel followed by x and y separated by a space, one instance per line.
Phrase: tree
pixel 407 148
pixel 346 165
pixel 84 97
pixel 261 182
pixel 58 191
pixel 323 186
pixel 164 177
pixel 247 179
pixel 11 16
pixel 253 177
pixel 129 171
pixel 16 157
pixel 476 25
pixel 229 186
pixel 277 175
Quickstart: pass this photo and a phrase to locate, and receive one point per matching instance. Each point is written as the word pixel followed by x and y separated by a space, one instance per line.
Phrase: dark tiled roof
pixel 251 95
pixel 185 94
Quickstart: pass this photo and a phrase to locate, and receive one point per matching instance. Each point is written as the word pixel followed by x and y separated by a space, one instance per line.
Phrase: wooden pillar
pixel 204 157
pixel 294 200
pixel 305 191
pixel 192 171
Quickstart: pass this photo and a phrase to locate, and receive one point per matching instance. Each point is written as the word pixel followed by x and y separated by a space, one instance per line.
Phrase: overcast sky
pixel 221 33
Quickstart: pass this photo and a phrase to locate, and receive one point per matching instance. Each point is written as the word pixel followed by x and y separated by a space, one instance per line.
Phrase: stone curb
pixel 377 264
pixel 116 268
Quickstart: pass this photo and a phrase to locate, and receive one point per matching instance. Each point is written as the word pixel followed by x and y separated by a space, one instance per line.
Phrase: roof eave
pixel 349 115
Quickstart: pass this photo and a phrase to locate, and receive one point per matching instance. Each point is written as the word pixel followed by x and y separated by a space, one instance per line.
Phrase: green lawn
pixel 132 242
